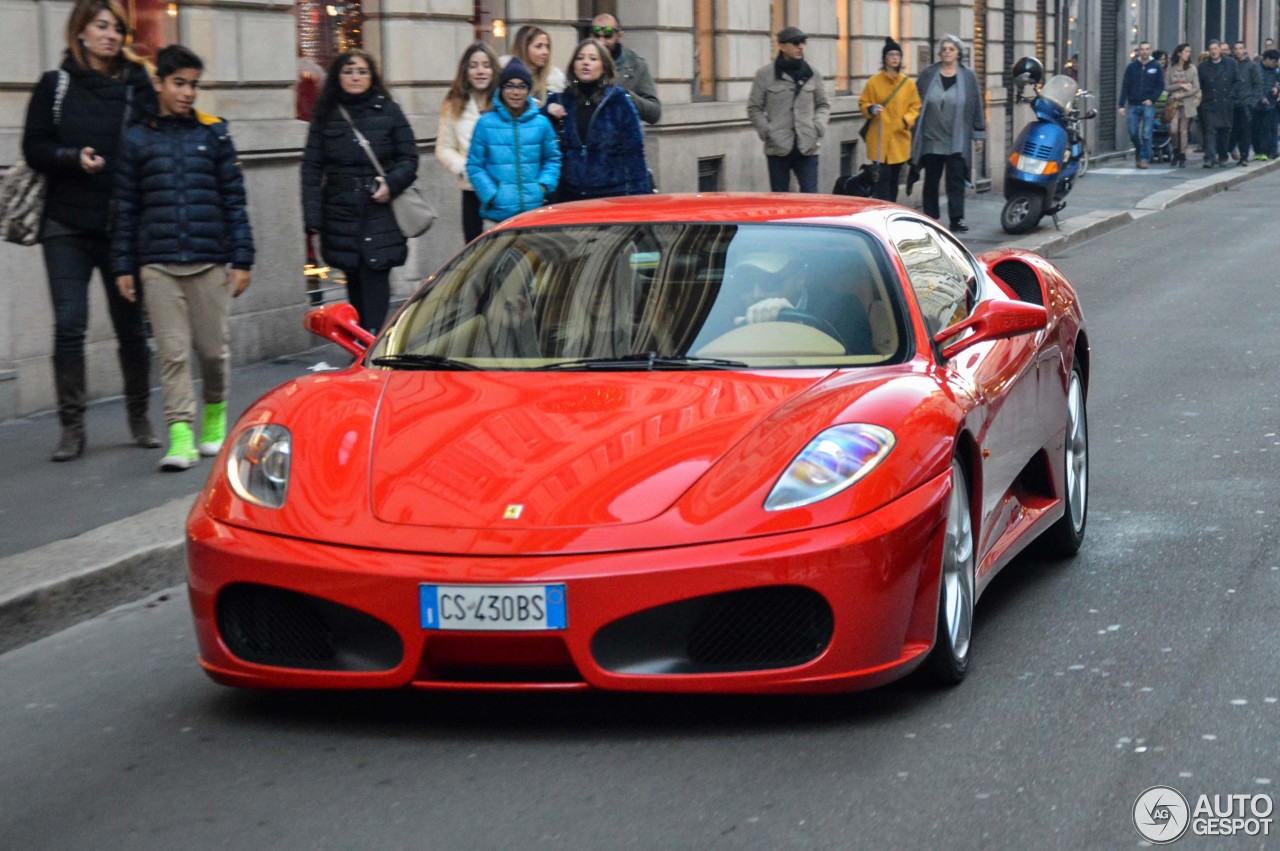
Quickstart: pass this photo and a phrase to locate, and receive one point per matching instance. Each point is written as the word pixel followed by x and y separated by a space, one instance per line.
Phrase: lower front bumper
pixel 877 576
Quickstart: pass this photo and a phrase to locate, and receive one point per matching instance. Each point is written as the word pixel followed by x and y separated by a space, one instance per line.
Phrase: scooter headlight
pixel 1033 165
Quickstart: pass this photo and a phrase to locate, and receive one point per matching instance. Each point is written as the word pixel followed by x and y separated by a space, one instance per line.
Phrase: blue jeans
pixel 1142 121
pixel 805 167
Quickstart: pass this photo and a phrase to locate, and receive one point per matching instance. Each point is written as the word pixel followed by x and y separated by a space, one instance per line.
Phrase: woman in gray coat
pixel 951 120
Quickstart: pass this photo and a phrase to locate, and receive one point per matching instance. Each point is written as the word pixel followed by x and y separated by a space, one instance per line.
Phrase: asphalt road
pixel 1149 659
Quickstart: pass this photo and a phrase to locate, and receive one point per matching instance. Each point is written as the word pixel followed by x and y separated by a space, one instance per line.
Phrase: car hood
pixel 523 451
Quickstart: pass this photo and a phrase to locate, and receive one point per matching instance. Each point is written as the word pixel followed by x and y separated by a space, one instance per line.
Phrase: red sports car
pixel 714 443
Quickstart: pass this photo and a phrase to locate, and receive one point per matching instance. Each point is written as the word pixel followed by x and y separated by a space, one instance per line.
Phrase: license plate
pixel 492 607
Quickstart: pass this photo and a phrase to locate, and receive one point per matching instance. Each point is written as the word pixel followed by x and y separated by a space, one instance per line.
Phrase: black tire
pixel 948 662
pixel 1064 538
pixel 1022 213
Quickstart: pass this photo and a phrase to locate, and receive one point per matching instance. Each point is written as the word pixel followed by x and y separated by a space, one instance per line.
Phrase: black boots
pixel 68 380
pixel 136 367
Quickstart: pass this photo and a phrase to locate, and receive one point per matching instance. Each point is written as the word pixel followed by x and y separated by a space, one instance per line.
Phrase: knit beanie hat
pixel 889 45
pixel 515 70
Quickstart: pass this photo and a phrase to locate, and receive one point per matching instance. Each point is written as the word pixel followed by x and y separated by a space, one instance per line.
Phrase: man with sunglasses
pixel 632 71
pixel 789 109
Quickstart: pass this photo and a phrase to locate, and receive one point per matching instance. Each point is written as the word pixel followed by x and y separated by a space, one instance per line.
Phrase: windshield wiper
pixel 418 361
pixel 649 360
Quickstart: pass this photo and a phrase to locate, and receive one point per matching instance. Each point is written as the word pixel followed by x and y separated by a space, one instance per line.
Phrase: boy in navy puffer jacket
pixel 180 219
pixel 514 160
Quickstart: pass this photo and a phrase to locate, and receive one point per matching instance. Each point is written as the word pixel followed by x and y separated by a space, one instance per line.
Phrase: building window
pixel 842 47
pixel 848 150
pixel 325 29
pixel 710 174
pixel 490 22
pixel 704 50
pixel 155 25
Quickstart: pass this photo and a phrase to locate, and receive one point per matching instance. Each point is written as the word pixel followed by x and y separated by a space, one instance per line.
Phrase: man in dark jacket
pixel 1264 118
pixel 180 219
pixel 1142 86
pixel 1246 96
pixel 1217 77
pixel 632 72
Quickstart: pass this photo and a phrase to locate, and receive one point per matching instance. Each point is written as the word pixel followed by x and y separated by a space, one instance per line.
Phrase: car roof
pixel 741 207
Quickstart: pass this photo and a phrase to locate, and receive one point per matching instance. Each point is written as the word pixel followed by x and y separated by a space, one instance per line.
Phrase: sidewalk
pixel 79 538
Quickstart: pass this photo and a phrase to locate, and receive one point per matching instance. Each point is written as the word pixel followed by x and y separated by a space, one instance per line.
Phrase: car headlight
pixel 258 465
pixel 832 461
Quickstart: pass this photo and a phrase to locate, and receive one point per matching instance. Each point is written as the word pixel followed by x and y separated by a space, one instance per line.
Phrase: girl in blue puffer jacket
pixel 514 161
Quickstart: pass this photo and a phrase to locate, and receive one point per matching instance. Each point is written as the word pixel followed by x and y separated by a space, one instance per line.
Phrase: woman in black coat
pixel 344 200
pixel 75 148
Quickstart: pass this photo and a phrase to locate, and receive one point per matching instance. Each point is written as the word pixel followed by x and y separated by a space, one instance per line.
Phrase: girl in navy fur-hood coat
pixel 610 160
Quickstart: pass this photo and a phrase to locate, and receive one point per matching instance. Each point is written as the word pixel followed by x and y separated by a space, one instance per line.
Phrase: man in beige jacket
pixel 788 107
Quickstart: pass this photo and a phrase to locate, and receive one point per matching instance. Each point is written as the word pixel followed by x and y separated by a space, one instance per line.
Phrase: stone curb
pixel 58 585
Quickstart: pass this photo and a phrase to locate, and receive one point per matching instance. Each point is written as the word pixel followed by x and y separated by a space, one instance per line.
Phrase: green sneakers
pixel 182 454
pixel 213 429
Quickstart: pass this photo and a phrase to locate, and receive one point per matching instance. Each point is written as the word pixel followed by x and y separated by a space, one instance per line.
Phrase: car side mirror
pixel 339 323
pixel 992 320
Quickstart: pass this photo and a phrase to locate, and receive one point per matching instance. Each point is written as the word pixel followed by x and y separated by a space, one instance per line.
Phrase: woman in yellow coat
pixel 891 100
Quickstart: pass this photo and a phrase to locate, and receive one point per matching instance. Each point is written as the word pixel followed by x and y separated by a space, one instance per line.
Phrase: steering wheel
pixel 790 314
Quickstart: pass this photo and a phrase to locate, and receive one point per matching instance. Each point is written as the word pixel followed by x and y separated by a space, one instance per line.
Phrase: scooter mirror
pixel 1028 69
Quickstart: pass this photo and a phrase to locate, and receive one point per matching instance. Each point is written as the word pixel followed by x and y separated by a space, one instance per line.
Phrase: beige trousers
pixel 188 306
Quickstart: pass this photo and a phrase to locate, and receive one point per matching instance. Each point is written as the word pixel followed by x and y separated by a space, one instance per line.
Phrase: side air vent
pixel 1022 279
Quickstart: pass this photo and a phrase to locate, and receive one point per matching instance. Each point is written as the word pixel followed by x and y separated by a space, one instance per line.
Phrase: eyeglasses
pixel 605 32
pixel 515 87
pixel 355 72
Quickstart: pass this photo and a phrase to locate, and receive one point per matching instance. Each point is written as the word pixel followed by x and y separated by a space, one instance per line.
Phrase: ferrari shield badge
pixel 513 512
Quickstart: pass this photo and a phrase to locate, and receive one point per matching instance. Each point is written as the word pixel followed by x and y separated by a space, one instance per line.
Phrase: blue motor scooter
pixel 1049 153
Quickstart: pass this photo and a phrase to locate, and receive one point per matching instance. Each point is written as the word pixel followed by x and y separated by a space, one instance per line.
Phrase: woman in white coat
pixel 470 96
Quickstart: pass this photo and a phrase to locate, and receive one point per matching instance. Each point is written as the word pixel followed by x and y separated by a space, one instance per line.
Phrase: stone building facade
pixel 703 55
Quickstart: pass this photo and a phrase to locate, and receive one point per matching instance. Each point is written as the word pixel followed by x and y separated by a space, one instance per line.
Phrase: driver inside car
pixel 767 295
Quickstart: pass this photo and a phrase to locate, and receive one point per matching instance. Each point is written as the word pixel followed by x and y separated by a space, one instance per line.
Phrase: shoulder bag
pixel 23 189
pixel 412 211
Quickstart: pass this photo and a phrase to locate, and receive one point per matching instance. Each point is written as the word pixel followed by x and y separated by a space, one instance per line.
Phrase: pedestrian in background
pixel 1246 96
pixel 789 109
pixel 1264 117
pixel 891 103
pixel 951 123
pixel 345 201
pixel 181 218
pixel 75 146
pixel 1217 78
pixel 601 139
pixel 1182 84
pixel 1142 86
pixel 470 95
pixel 514 162
pixel 632 70
pixel 533 47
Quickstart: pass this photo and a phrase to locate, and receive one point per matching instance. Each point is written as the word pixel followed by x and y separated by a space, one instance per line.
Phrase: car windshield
pixel 642 296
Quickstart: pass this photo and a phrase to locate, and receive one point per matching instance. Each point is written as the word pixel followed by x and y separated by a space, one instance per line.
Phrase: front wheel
pixel 949 661
pixel 1022 213
pixel 1064 538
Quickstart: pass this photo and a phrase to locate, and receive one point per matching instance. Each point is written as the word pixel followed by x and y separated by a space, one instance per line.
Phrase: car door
pixel 999 376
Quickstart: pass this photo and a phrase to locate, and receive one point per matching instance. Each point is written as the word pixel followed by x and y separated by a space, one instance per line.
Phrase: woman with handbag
pixel 1182 85
pixel 599 128
pixel 951 123
pixel 470 96
pixel 891 103
pixel 72 134
pixel 360 155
